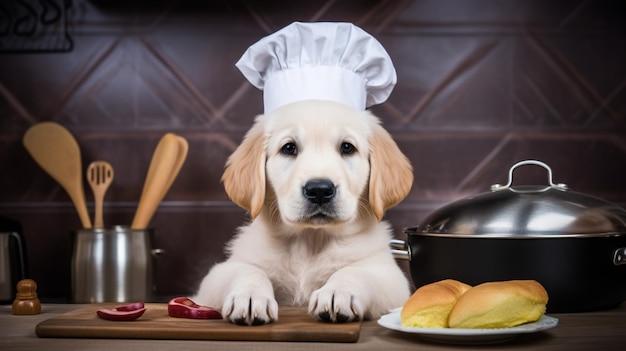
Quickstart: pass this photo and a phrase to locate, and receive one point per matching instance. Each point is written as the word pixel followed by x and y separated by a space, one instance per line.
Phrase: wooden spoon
pixel 167 160
pixel 99 175
pixel 183 148
pixel 57 152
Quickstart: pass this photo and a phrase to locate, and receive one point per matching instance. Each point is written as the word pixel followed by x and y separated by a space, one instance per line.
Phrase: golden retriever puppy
pixel 316 177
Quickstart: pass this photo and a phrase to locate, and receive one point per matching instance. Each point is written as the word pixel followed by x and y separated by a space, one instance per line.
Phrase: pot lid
pixel 525 212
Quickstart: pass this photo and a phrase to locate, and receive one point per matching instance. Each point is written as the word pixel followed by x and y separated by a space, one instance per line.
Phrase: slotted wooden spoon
pixel 57 152
pixel 100 176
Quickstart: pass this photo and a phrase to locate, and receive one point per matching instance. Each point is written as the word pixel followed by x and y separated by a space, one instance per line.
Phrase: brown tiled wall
pixel 482 84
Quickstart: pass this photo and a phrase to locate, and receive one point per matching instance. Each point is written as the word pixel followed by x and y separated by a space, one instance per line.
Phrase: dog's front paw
pixel 335 305
pixel 250 309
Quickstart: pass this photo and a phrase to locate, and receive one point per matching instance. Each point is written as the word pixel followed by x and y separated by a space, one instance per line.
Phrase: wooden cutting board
pixel 294 324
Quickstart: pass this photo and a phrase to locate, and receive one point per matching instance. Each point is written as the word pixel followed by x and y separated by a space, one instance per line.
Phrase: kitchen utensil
pixel 166 162
pixel 57 152
pixel 183 149
pixel 573 244
pixel 294 324
pixel 99 175
pixel 112 265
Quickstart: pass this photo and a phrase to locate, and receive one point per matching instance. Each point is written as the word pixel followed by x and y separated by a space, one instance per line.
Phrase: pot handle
pixel 619 256
pixel 400 249
pixel 559 186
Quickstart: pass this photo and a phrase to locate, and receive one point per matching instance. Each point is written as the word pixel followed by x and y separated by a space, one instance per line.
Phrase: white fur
pixel 334 258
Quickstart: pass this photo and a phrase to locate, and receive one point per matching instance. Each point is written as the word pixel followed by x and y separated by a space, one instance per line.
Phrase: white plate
pixel 467 336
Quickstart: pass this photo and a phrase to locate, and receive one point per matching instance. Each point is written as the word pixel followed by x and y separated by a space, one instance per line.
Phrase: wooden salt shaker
pixel 26 301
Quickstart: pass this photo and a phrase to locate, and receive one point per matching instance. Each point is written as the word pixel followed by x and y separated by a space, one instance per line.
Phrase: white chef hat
pixel 321 60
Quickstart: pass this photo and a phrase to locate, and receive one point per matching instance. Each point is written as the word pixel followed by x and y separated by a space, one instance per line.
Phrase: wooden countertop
pixel 603 330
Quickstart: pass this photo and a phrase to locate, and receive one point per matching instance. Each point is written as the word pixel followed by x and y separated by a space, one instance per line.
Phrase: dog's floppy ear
pixel 244 175
pixel 391 174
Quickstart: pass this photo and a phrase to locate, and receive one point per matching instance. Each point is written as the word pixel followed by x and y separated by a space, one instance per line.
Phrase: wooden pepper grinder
pixel 26 301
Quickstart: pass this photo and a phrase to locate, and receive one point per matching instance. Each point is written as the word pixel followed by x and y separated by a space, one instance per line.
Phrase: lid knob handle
pixel 559 186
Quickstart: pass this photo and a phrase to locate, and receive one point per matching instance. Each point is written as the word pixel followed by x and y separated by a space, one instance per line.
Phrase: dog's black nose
pixel 319 191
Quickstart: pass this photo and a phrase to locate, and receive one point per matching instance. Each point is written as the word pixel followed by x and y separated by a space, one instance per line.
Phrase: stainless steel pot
pixel 112 265
pixel 573 244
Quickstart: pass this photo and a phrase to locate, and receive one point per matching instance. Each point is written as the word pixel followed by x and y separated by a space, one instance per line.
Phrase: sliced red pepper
pixel 123 313
pixel 131 307
pixel 184 307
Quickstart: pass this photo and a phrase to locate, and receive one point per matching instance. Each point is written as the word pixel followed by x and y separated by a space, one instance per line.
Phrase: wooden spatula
pixel 99 175
pixel 167 160
pixel 57 152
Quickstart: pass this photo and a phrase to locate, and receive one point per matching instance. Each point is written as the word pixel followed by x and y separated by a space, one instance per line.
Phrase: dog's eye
pixel 347 149
pixel 289 149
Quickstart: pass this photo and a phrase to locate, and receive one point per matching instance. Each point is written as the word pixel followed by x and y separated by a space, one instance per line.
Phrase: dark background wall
pixel 482 84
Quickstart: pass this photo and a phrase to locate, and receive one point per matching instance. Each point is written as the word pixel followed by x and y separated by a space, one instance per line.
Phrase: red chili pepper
pixel 123 313
pixel 183 307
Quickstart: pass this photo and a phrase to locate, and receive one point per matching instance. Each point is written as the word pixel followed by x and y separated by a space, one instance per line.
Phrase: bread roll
pixel 430 305
pixel 499 305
